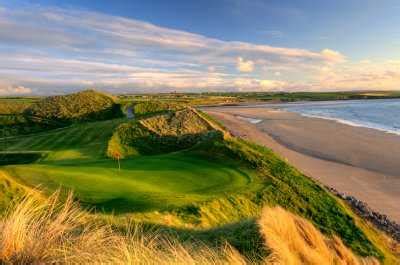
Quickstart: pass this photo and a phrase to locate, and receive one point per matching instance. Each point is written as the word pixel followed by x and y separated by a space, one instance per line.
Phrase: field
pixel 228 98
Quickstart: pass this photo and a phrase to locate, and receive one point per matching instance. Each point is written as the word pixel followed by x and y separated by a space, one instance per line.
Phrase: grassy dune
pixel 87 105
pixel 46 232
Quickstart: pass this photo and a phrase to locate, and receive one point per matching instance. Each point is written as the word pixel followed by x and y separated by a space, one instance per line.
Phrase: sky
pixel 60 46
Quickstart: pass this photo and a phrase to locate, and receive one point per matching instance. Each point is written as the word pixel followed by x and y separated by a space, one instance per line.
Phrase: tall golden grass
pixel 43 231
pixel 37 231
pixel 293 240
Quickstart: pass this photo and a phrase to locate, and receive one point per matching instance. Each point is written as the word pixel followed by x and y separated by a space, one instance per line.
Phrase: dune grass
pixel 43 231
pixel 293 240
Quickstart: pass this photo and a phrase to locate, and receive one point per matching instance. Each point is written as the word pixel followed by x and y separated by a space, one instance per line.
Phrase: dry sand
pixel 358 161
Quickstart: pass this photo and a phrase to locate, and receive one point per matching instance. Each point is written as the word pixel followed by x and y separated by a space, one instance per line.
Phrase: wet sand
pixel 358 161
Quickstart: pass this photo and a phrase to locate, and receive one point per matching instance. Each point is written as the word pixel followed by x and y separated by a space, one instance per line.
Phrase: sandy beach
pixel 358 161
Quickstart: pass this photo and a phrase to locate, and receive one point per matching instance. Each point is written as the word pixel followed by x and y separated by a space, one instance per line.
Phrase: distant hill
pixel 87 105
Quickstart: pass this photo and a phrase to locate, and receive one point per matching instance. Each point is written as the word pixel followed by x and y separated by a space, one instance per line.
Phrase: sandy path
pixel 353 160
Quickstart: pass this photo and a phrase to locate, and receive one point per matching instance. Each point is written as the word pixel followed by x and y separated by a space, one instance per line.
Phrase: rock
pixel 381 221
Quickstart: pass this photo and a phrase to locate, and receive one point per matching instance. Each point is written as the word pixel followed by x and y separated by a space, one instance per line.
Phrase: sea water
pixel 381 114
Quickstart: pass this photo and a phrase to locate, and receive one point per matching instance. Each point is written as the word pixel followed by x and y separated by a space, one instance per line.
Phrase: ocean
pixel 381 114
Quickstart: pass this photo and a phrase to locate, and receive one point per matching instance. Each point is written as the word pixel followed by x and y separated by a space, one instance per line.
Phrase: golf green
pixel 144 183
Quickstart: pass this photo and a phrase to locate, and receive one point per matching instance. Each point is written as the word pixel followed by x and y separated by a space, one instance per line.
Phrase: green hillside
pixel 180 170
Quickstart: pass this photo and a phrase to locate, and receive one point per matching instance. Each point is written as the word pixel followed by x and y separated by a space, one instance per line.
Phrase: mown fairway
pixel 75 160
pixel 79 142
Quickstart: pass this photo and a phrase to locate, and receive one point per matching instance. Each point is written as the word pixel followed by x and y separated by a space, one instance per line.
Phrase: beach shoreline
pixel 358 161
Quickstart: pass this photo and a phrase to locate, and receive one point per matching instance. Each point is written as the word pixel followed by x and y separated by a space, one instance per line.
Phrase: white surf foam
pixel 251 120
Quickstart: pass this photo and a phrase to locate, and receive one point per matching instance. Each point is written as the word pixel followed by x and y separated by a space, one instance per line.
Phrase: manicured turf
pixel 81 142
pixel 75 159
pixel 144 183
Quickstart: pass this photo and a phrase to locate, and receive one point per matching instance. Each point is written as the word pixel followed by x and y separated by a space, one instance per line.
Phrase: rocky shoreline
pixel 381 221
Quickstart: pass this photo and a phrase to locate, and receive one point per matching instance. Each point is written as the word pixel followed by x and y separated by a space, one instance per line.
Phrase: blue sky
pixel 50 46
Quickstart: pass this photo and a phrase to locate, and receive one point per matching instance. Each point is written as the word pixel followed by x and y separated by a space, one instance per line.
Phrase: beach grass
pixel 44 231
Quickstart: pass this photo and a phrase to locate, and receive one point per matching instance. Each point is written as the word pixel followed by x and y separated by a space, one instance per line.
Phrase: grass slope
pixel 79 141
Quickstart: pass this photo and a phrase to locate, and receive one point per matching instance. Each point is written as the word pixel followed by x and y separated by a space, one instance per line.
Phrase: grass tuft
pixel 294 240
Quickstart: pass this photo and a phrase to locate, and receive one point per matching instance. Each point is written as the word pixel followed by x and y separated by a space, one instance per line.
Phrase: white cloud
pixel 333 56
pixel 6 90
pixel 58 50
pixel 211 68
pixel 273 84
pixel 244 66
pixel 363 75
pixel 249 84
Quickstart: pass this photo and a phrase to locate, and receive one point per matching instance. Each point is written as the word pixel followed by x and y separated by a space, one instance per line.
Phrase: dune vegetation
pixel 149 107
pixel 10 106
pixel 35 230
pixel 87 105
pixel 163 133
pixel 179 173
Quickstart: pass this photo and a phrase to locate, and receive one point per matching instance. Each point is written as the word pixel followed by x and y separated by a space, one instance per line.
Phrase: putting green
pixel 143 183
